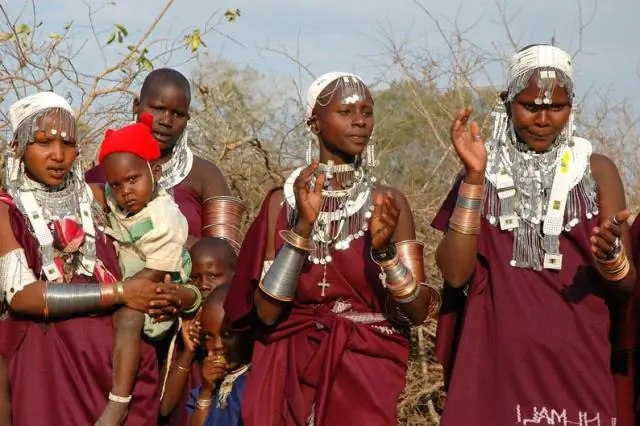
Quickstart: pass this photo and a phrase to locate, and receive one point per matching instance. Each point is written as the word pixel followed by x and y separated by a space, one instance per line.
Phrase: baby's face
pixel 208 271
pixel 131 181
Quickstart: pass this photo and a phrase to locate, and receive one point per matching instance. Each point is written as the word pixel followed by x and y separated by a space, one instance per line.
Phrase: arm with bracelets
pixel 610 239
pixel 406 281
pixel 28 295
pixel 400 256
pixel 278 286
pixel 222 217
pixel 457 253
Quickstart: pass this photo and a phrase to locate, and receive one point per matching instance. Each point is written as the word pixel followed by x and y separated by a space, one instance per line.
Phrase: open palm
pixel 308 197
pixel 468 143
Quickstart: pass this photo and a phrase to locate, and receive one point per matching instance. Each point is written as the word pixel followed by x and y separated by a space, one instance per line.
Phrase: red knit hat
pixel 135 139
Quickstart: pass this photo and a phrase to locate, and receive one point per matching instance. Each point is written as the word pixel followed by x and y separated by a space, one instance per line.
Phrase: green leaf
pixel 23 29
pixel 195 43
pixel 6 36
pixel 55 36
pixel 120 39
pixel 147 63
pixel 122 29
pixel 232 15
pixel 112 37
pixel 131 47
pixel 67 26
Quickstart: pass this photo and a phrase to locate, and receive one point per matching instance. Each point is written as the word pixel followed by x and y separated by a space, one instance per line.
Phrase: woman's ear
pixel 156 171
pixel 313 124
pixel 507 105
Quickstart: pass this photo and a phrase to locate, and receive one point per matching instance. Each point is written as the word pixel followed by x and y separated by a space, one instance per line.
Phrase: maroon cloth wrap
pixel 524 344
pixel 61 371
pixel 351 372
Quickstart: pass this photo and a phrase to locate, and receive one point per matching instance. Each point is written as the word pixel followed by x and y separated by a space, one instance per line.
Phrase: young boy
pixel 213 264
pixel 225 369
pixel 150 233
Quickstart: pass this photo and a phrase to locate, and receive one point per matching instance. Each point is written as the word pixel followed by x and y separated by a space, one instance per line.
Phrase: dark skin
pixel 44 159
pixel 211 264
pixel 218 338
pixel 538 126
pixel 131 180
pixel 169 105
pixel 343 131
pixel 209 271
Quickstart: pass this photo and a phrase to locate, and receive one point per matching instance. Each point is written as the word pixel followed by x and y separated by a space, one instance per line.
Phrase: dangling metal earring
pixel 500 122
pixel 371 160
pixel 16 168
pixel 309 154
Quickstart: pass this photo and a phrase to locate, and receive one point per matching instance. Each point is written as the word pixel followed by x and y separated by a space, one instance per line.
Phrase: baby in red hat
pixel 149 233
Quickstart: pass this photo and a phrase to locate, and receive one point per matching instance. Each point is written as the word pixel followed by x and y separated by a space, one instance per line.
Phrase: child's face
pixel 219 337
pixel 131 180
pixel 209 270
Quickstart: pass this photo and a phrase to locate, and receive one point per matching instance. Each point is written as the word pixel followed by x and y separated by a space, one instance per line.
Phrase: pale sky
pixel 347 35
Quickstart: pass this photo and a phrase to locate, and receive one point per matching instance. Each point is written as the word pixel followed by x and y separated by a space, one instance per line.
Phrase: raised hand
pixel 468 143
pixel 190 333
pixel 384 220
pixel 605 238
pixel 308 199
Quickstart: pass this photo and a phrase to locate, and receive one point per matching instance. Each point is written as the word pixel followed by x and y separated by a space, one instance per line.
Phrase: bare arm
pixel 176 382
pixel 211 181
pixel 31 300
pixel 199 416
pixel 457 253
pixel 269 309
pixel 611 202
pixel 418 309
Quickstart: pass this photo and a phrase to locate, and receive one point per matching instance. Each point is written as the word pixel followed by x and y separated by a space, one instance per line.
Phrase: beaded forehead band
pixel 28 114
pixel 554 68
pixel 351 86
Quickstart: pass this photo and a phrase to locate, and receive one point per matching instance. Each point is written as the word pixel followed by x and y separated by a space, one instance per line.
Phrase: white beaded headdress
pixel 520 181
pixel 352 89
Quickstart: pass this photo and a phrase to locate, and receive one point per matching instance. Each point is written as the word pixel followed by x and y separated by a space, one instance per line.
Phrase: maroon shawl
pixel 524 344
pixel 350 372
pixel 61 371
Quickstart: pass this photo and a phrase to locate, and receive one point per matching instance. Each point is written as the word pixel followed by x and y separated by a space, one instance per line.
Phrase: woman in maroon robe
pixel 525 326
pixel 333 345
pixel 58 276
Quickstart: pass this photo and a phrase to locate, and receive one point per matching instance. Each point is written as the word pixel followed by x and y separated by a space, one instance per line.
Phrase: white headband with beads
pixel 321 83
pixel 31 105
pixel 547 59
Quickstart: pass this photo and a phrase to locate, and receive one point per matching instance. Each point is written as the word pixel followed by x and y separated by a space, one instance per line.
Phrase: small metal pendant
pixel 552 261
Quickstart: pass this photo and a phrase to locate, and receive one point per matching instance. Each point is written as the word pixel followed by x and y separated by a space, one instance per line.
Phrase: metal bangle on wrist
pixel 281 280
pixel 66 299
pixel 197 303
